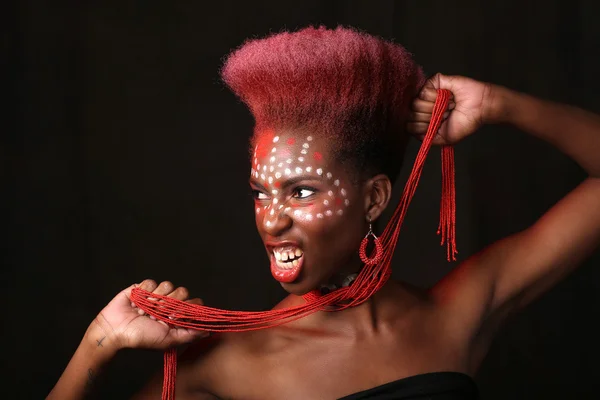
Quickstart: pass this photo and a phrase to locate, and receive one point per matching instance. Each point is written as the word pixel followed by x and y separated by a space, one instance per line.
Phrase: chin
pixel 297 289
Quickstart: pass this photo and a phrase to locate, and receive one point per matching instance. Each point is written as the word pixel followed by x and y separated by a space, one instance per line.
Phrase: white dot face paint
pixel 310 202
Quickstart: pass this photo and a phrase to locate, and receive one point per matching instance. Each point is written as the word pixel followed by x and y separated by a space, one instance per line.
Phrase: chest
pixel 330 368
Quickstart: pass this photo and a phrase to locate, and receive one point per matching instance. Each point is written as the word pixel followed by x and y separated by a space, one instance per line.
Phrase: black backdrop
pixel 124 157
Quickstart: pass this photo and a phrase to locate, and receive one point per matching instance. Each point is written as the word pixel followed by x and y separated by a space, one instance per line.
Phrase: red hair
pixel 351 86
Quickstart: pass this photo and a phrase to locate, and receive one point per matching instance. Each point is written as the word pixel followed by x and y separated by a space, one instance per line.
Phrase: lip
pixel 271 245
pixel 286 275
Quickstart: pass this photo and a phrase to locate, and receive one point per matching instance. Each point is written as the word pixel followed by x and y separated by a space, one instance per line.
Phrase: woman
pixel 331 109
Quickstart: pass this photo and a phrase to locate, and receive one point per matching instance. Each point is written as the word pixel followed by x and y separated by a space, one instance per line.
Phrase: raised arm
pixel 119 325
pixel 511 273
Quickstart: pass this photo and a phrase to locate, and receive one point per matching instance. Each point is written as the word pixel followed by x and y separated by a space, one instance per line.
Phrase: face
pixel 310 216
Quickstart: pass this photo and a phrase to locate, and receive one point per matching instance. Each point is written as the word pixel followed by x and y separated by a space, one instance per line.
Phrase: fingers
pixel 195 301
pixel 420 117
pixel 422 106
pixel 428 94
pixel 151 286
pixel 424 117
pixel 426 106
pixel 148 285
pixel 417 128
pixel 164 288
pixel 180 293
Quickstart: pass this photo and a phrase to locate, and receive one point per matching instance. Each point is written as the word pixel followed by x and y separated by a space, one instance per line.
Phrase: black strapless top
pixel 429 386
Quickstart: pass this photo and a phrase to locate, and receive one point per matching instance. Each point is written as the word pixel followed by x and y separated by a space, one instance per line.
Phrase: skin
pixel 395 334
pixel 311 203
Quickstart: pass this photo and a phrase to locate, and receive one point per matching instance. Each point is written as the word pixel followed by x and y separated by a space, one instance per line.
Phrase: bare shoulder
pixel 222 362
pixel 195 371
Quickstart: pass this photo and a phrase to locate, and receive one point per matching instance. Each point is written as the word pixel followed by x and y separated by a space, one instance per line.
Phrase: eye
pixel 258 195
pixel 304 192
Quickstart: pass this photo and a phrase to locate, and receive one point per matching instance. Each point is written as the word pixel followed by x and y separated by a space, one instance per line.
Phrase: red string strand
pixel 370 279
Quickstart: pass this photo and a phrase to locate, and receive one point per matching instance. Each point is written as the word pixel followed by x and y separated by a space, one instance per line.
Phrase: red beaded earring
pixel 374 259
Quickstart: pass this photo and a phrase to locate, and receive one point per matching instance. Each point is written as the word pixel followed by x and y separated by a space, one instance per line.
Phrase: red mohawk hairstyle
pixel 351 86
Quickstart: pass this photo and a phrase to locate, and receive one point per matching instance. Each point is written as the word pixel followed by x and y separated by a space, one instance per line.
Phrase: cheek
pixel 325 211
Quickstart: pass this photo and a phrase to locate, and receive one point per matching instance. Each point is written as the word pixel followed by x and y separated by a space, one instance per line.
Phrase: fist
pixel 469 108
pixel 129 327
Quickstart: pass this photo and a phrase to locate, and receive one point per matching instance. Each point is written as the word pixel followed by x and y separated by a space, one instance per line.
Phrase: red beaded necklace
pixel 371 278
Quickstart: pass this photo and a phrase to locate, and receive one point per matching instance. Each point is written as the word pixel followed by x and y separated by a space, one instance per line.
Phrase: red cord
pixel 370 279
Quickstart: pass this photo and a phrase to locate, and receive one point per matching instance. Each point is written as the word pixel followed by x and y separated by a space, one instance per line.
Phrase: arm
pixel 527 264
pixel 92 355
pixel 120 325
pixel 511 273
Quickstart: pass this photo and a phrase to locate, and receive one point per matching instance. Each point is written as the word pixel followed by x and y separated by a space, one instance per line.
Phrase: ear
pixel 378 191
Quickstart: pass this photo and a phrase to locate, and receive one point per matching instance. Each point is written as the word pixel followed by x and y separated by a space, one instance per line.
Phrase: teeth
pixel 287 258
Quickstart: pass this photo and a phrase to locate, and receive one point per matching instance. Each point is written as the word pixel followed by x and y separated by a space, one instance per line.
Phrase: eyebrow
pixel 289 182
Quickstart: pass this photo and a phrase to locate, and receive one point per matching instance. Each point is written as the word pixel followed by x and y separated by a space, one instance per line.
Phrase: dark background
pixel 124 157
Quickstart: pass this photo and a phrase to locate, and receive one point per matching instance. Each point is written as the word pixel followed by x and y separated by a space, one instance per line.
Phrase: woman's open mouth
pixel 286 263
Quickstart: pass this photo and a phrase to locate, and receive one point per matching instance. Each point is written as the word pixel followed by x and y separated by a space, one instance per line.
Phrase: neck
pixel 368 318
pixel 343 277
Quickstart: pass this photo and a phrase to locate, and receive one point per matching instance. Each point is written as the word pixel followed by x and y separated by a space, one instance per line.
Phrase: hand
pixel 469 108
pixel 127 326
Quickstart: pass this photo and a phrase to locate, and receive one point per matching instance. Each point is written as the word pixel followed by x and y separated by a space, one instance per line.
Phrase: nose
pixel 276 220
